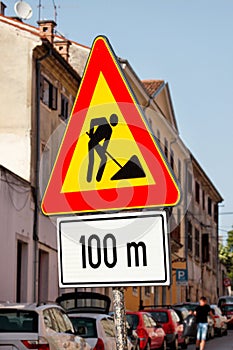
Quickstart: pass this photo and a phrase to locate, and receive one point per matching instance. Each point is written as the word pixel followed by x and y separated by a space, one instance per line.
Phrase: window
pixel 147 290
pixel 209 206
pixel 50 321
pixel 197 192
pixel 22 267
pixel 160 316
pixel 214 254
pixel 166 147
pixel 197 243
pixel 158 136
pixel 59 319
pixel 178 223
pixel 135 290
pixel 109 327
pixel 18 321
pixel 205 247
pixel 175 317
pixel 190 236
pixel 63 322
pixel 152 321
pixel 146 321
pixel 172 159
pixel 133 320
pixel 64 107
pixel 86 324
pixel 203 200
pixel 48 93
pixel 179 170
pixel 190 182
pixel 43 275
pixel 216 212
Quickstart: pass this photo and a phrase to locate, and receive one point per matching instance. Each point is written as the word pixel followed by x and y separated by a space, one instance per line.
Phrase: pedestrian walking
pixel 202 311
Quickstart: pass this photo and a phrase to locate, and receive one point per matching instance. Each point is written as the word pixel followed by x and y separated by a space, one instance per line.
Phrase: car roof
pixel 159 309
pixel 28 306
pixel 137 312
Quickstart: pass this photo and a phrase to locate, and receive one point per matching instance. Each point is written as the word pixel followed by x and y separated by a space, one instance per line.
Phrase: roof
pixel 152 85
pixel 206 179
pixel 32 29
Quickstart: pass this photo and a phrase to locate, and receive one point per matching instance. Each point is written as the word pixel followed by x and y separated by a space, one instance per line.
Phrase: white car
pixel 45 327
pixel 88 312
pixel 220 327
pixel 97 329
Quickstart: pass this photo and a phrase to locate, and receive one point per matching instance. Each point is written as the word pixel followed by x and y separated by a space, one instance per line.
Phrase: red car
pixel 171 324
pixel 151 335
pixel 227 310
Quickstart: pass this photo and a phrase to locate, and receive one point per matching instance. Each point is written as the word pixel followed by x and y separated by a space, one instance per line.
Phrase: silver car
pixel 45 327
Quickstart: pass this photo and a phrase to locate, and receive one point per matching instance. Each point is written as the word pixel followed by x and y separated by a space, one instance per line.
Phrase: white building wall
pixel 16 217
pixel 15 98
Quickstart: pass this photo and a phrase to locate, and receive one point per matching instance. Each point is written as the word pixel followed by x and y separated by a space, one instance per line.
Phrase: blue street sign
pixel 182 276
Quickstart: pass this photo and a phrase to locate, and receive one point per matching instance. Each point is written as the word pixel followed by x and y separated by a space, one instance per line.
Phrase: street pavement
pixel 218 343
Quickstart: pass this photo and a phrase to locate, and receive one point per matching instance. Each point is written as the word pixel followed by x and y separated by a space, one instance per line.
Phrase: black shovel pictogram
pixel 132 169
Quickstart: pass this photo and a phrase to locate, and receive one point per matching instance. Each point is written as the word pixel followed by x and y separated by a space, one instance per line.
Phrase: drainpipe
pixel 186 222
pixel 36 189
pixel 217 238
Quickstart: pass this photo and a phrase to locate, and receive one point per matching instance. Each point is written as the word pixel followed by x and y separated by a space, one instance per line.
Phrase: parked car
pixel 191 307
pixel 225 299
pixel 170 322
pixel 220 327
pixel 28 326
pixel 227 310
pixel 89 314
pixel 183 314
pixel 150 333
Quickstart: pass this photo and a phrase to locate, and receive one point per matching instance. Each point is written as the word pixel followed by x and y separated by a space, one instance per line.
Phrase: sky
pixel 187 43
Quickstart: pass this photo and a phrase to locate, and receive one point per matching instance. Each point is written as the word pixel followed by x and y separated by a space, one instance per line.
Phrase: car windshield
pixel 227 308
pixel 85 326
pixel 132 320
pixel 160 316
pixel 225 300
pixel 18 321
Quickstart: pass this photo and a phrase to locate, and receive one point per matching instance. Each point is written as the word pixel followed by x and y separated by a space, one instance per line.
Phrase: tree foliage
pixel 226 254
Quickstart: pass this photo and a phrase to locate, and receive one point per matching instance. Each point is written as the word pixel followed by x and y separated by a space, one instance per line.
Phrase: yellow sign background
pixel 122 147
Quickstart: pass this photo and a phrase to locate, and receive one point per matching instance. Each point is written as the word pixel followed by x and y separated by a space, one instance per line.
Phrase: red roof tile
pixel 152 85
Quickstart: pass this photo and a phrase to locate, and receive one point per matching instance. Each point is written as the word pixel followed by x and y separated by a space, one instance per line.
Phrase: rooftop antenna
pixel 39 10
pixel 23 10
pixel 55 11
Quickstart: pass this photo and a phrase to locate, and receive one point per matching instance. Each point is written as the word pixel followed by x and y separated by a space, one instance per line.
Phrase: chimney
pixel 63 48
pixel 2 8
pixel 47 29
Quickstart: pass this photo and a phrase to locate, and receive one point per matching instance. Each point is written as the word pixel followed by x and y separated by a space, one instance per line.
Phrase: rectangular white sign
pixel 123 249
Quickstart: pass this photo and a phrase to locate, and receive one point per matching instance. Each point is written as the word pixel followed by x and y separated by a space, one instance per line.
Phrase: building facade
pixel 38 91
pixel 40 76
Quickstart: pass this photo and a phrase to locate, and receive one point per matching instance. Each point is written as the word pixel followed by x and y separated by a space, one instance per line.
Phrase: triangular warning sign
pixel 108 158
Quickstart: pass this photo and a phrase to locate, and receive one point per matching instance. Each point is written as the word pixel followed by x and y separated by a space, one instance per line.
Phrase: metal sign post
pixel 120 318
